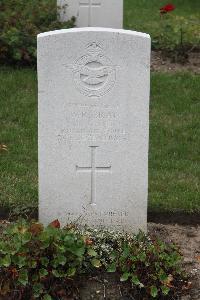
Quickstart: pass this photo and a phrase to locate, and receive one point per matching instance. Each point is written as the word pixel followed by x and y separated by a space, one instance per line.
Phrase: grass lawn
pixel 18 130
pixel 174 166
pixel 174 169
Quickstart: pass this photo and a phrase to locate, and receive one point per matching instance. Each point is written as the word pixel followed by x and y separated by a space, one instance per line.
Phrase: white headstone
pixel 93 127
pixel 93 13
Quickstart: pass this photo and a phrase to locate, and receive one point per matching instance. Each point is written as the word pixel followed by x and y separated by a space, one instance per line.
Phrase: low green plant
pixel 175 36
pixel 20 22
pixel 35 260
pixel 152 266
pixel 104 242
pixel 32 257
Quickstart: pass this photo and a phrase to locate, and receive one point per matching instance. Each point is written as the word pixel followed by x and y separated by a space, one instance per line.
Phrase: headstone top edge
pixel 93 29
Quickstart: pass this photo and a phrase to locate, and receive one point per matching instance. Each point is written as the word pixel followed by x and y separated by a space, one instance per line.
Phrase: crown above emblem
pixel 94 48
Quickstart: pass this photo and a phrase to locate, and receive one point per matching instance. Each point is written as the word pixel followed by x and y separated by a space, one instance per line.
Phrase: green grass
pixel 174 168
pixel 18 130
pixel 174 143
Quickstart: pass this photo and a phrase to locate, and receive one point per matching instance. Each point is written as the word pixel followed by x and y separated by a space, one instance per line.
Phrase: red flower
pixel 167 8
pixel 55 224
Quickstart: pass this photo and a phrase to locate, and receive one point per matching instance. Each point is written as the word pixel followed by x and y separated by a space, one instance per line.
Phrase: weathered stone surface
pixel 93 13
pixel 93 127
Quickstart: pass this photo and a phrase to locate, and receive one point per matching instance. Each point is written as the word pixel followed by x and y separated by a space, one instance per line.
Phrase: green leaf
pixel 45 239
pixel 154 291
pixel 32 264
pixel 126 252
pixel 71 272
pixel 3 247
pixel 113 255
pixel 165 290
pixel 92 252
pixel 26 237
pixel 44 261
pixel 23 277
pixel 35 277
pixel 125 277
pixel 133 258
pixel 37 289
pixel 47 297
pixel 163 277
pixel 78 251
pixel 54 263
pixel 96 263
pixel 61 260
pixel 61 248
pixel 5 261
pixel 20 261
pixel 112 268
pixel 69 239
pixel 142 256
pixel 56 273
pixel 45 245
pixel 136 281
pixel 43 272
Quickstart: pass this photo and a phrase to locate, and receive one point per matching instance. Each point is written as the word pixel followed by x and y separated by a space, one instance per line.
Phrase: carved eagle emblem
pixel 94 76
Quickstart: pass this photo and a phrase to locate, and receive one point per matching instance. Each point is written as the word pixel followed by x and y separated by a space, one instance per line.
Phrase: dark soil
pixel 161 63
pixel 178 217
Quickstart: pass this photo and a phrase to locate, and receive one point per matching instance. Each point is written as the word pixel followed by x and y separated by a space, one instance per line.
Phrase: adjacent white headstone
pixel 93 127
pixel 92 13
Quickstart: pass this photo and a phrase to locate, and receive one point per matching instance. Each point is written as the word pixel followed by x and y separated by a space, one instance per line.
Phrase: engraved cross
pixel 93 169
pixel 90 4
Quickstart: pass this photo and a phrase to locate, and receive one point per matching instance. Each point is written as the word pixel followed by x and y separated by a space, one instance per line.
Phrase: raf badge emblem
pixel 94 74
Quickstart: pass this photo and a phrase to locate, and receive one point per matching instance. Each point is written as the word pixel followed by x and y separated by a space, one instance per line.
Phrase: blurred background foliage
pixel 20 22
